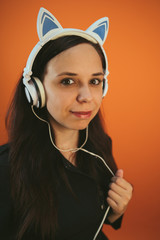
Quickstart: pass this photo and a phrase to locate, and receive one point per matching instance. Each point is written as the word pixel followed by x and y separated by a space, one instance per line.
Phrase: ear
pixel 47 24
pixel 99 29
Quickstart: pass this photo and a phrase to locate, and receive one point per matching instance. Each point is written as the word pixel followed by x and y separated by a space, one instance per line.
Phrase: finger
pixel 112 203
pixel 119 173
pixel 118 189
pixel 117 208
pixel 122 183
pixel 114 196
pixel 124 194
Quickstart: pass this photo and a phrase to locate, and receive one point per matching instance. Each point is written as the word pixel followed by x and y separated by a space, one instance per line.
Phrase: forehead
pixel 82 57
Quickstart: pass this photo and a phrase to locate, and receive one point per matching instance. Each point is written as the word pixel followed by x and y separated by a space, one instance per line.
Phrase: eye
pixel 67 81
pixel 95 81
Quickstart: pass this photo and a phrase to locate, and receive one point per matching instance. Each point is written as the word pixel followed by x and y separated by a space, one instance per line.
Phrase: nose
pixel 84 94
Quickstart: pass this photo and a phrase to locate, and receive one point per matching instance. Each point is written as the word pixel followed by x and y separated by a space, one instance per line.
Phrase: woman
pixel 58 170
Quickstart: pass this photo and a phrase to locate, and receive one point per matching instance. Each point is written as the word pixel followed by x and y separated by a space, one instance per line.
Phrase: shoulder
pixel 108 139
pixel 4 164
pixel 5 194
pixel 4 155
pixel 4 170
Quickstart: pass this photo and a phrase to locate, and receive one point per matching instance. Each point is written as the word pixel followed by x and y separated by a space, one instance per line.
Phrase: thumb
pixel 119 173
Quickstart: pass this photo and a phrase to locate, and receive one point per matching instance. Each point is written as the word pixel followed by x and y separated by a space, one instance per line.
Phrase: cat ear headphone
pixel 49 28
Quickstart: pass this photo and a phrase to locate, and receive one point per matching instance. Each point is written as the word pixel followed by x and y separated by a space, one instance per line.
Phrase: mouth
pixel 82 115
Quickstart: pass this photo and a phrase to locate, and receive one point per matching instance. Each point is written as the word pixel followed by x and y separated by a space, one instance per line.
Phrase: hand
pixel 119 195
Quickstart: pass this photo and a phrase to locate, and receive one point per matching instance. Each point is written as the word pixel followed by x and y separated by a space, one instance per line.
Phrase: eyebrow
pixel 75 74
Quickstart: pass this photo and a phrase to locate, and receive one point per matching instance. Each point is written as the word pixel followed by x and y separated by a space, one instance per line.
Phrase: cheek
pixel 60 100
pixel 51 101
pixel 98 99
pixel 54 104
pixel 57 105
pixel 52 98
pixel 54 109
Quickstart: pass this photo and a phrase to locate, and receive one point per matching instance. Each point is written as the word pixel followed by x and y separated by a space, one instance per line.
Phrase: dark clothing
pixel 78 217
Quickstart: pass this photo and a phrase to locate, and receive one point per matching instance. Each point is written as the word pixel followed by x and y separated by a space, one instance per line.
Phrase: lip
pixel 82 114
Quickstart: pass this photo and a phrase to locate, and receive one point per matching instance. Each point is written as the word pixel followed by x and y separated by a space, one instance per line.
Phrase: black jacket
pixel 78 219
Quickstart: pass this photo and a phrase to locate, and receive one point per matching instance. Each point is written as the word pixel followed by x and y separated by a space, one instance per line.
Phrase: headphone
pixel 35 93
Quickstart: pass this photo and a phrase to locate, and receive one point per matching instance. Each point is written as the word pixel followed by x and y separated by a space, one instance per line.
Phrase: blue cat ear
pixel 99 29
pixel 47 24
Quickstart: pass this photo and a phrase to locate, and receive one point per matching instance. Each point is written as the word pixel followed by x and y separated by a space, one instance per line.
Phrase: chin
pixel 81 126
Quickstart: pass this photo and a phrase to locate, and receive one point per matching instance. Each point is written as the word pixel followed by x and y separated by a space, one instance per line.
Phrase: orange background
pixel 131 107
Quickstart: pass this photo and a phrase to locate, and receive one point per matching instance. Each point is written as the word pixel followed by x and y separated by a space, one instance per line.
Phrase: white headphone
pixel 49 28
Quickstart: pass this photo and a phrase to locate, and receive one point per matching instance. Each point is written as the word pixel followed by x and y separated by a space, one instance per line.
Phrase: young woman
pixel 57 173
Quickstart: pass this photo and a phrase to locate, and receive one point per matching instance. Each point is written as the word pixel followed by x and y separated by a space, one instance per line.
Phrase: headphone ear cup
pixel 28 95
pixel 105 86
pixel 41 99
pixel 35 93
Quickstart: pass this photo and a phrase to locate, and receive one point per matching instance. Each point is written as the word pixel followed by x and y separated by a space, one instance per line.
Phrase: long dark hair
pixel 34 166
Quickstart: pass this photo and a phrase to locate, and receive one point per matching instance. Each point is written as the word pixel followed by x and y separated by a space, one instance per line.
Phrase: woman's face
pixel 73 85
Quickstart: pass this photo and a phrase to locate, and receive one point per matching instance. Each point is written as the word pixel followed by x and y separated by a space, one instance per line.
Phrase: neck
pixel 66 138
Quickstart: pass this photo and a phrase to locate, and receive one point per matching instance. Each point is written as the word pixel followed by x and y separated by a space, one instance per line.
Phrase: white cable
pixel 107 210
pixel 97 156
pixel 75 150
pixel 100 226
